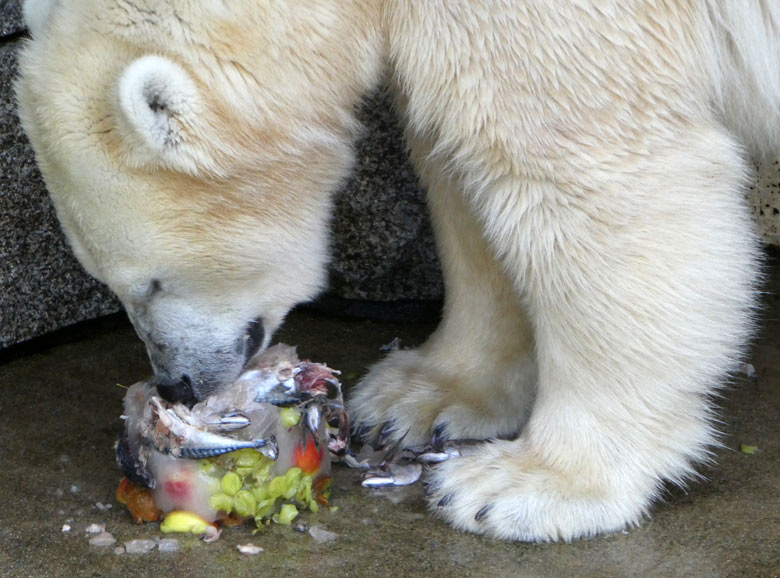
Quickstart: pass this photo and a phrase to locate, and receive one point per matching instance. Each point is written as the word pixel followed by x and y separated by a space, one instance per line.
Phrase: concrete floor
pixel 59 417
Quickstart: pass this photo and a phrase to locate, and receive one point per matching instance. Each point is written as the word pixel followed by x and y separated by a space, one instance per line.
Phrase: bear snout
pixel 176 390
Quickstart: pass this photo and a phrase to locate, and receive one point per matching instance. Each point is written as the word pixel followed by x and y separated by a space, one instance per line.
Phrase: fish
pixel 239 415
pixel 396 474
pixel 186 440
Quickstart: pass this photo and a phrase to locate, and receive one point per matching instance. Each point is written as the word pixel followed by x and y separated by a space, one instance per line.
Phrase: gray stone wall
pixel 10 16
pixel 42 286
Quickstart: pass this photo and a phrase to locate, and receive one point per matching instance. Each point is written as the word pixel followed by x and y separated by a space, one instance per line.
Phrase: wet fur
pixel 584 162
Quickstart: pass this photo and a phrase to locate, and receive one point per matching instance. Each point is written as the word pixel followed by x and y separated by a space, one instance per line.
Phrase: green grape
pixel 244 504
pixel 221 502
pixel 263 509
pixel 247 458
pixel 286 515
pixel 231 483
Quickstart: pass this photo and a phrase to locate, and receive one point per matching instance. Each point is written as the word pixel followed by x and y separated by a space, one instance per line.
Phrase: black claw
pixel 445 501
pixel 484 511
pixel 361 431
pixel 439 437
pixel 388 429
pixel 396 449
pixel 430 487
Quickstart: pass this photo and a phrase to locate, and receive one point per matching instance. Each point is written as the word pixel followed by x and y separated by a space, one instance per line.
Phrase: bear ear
pixel 158 109
pixel 36 15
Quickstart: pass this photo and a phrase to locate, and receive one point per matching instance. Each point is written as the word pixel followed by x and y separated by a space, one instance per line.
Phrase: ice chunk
pixel 169 545
pixel 101 540
pixel 185 453
pixel 322 535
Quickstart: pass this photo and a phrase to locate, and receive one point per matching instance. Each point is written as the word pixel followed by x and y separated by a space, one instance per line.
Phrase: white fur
pixel 584 161
pixel 36 14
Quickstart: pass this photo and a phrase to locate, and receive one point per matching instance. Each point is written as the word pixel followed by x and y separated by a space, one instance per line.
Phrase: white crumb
pixel 95 529
pixel 249 549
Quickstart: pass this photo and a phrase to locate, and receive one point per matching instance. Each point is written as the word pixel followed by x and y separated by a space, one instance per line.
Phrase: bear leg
pixel 475 376
pixel 640 287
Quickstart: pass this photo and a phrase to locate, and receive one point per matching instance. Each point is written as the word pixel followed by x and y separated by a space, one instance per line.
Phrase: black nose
pixel 255 335
pixel 174 391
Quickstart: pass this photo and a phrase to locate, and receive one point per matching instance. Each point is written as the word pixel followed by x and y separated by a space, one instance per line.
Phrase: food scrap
pixel 249 549
pixel 259 449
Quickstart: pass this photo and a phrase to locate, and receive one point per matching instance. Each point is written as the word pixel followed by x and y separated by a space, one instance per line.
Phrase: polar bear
pixel 584 163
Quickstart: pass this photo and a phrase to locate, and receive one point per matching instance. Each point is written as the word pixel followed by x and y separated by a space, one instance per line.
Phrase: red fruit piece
pixel 307 455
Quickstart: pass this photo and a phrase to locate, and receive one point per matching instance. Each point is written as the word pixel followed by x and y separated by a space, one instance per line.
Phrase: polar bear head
pixel 190 149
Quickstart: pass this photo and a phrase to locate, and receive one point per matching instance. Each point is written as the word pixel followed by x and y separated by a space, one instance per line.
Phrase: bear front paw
pixel 409 399
pixel 505 492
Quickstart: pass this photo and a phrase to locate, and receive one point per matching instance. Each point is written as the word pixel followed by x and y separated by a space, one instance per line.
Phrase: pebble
pixel 140 546
pixel 169 545
pixel 321 535
pixel 249 549
pixel 102 539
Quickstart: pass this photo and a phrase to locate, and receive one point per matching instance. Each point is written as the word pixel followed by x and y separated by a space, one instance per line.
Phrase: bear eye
pixel 148 290
pixel 255 336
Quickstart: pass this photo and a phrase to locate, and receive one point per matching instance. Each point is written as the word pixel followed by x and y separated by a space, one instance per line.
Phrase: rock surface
pixel 10 17
pixel 42 286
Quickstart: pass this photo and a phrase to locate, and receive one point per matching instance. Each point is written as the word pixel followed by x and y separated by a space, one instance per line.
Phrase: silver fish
pixel 187 440
pixel 396 474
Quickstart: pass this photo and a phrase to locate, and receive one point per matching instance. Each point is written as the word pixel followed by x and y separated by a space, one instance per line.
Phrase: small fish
pixel 211 445
pixel 396 474
pixel 448 450
pixel 183 439
pixel 228 421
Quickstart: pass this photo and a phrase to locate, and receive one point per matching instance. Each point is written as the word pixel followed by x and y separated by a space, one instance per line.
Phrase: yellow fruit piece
pixel 183 522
